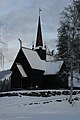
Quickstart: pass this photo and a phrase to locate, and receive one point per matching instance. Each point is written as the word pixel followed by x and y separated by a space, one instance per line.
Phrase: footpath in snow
pixel 54 107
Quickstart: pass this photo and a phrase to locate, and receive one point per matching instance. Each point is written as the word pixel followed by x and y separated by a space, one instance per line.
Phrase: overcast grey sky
pixel 18 19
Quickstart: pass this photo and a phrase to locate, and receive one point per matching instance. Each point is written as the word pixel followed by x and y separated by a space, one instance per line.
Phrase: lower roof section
pixel 21 70
pixel 53 67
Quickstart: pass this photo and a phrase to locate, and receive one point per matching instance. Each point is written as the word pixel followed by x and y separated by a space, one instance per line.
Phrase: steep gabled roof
pixel 35 62
pixel 34 59
pixel 39 41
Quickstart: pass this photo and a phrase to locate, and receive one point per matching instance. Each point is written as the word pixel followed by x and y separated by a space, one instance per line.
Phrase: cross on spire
pixel 39 11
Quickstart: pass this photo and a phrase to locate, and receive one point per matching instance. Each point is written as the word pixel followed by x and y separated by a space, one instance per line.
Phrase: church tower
pixel 39 41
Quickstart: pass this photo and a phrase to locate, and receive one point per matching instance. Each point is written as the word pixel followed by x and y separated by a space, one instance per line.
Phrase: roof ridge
pixel 28 48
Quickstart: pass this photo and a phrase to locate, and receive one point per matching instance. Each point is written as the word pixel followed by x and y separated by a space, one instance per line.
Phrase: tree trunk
pixel 71 85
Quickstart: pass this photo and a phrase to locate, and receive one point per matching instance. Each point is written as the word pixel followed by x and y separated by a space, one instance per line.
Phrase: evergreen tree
pixel 62 46
pixel 69 39
pixel 69 35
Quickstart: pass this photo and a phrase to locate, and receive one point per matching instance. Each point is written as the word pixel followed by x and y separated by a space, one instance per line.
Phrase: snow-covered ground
pixel 39 108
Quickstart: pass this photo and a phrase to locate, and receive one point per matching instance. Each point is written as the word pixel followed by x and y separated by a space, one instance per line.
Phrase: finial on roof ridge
pixel 20 43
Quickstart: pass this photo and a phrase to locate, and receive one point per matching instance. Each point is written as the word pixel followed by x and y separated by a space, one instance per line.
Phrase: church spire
pixel 39 41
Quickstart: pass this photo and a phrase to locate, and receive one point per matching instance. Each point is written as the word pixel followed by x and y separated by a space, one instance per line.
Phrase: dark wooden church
pixel 35 68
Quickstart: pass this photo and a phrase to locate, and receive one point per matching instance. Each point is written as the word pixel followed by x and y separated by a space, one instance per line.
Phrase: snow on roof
pixel 20 68
pixel 53 67
pixel 34 59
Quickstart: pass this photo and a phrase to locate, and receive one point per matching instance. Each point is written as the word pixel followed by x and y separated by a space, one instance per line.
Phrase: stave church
pixel 36 68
